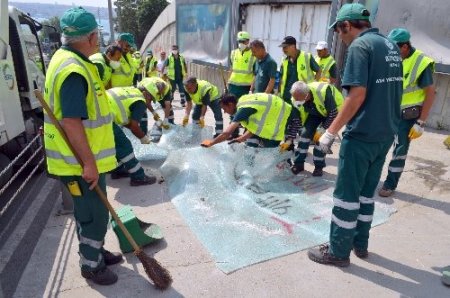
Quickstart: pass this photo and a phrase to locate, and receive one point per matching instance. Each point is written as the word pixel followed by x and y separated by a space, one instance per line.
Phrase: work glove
pixel 201 122
pixel 319 132
pixel 156 116
pixel 165 124
pixel 207 143
pixel 325 142
pixel 285 146
pixel 145 140
pixel 185 120
pixel 416 131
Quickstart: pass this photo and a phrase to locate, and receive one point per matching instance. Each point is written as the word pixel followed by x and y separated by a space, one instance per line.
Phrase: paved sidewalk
pixel 406 253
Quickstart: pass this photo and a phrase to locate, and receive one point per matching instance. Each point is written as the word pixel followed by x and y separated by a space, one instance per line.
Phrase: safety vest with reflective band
pixel 319 91
pixel 120 99
pixel 304 71
pixel 137 59
pixel 99 58
pixel 98 127
pixel 325 65
pixel 242 67
pixel 272 113
pixel 204 87
pixel 150 85
pixel 149 62
pixel 171 67
pixel 123 76
pixel 413 67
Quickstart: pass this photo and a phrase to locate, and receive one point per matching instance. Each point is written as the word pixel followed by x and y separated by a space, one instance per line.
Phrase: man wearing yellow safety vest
pixel 326 63
pixel 176 71
pixel 138 65
pixel 124 75
pixel 266 117
pixel 296 66
pixel 417 99
pixel 204 95
pixel 150 65
pixel 128 106
pixel 75 93
pixel 318 103
pixel 106 63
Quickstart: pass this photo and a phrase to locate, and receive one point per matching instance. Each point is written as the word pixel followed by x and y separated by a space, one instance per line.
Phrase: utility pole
pixel 111 22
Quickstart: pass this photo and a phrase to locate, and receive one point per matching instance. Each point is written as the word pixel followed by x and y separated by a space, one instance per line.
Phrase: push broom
pixel 157 273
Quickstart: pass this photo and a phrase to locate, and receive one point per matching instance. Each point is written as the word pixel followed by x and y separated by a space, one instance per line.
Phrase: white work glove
pixel 325 142
pixel 416 131
pixel 166 124
pixel 145 140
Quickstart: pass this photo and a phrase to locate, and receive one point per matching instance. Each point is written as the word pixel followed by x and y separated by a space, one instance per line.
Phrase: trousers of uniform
pixel 91 217
pixel 359 171
pixel 171 114
pixel 306 135
pixel 143 124
pixel 255 141
pixel 125 155
pixel 399 154
pixel 238 91
pixel 217 111
pixel 179 83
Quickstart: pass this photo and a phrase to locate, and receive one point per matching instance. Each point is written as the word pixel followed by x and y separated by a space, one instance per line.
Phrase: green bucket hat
pixel 77 21
pixel 351 11
pixel 399 35
pixel 128 37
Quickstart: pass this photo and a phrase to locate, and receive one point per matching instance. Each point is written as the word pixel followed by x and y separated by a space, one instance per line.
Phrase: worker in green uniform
pixel 107 62
pixel 418 97
pixel 75 93
pixel 326 63
pixel 296 66
pixel 204 95
pixel 128 106
pixel 176 72
pixel 318 103
pixel 150 65
pixel 138 65
pixel 266 117
pixel 265 69
pixel 371 111
pixel 124 75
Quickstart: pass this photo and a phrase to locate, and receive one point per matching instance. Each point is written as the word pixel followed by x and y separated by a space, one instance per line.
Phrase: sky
pixel 96 3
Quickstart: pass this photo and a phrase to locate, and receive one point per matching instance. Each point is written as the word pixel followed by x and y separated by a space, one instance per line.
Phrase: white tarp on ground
pixel 243 204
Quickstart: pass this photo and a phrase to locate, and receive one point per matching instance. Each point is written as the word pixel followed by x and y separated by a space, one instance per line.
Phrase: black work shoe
pixel 118 175
pixel 147 180
pixel 111 258
pixel 297 168
pixel 321 255
pixel 102 277
pixel 318 172
pixel 361 253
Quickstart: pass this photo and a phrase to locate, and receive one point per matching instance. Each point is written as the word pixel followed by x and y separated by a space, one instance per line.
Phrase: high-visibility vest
pixel 149 63
pixel 137 59
pixel 304 71
pixel 204 87
pixel 98 127
pixel 171 67
pixel 325 65
pixel 319 91
pixel 413 67
pixel 150 85
pixel 242 67
pixel 123 76
pixel 99 58
pixel 272 113
pixel 120 99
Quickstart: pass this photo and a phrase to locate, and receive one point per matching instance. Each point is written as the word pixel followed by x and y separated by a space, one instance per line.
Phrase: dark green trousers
pixel 238 91
pixel 359 171
pixel 91 217
pixel 306 135
pixel 217 111
pixel 399 154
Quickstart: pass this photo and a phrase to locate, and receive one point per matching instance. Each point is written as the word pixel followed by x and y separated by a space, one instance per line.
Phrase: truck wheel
pixel 4 162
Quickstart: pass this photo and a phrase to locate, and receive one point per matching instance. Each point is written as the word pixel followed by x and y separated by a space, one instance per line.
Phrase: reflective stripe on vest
pixel 242 68
pixel 123 76
pixel 99 58
pixel 171 67
pixel 204 87
pixel 305 74
pixel 150 85
pixel 325 64
pixel 120 99
pixel 148 66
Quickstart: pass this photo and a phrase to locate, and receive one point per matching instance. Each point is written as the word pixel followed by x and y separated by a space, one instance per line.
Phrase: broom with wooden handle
pixel 158 274
pixel 222 74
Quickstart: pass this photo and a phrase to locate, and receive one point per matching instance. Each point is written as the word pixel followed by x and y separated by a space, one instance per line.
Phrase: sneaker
pixel 297 168
pixel 321 255
pixel 111 258
pixel 147 180
pixel 385 192
pixel 318 172
pixel 102 277
pixel 118 175
pixel 361 253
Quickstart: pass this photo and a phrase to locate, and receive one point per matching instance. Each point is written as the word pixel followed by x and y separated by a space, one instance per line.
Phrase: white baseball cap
pixel 322 45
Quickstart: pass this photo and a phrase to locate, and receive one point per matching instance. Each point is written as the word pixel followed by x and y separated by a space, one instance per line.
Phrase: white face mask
pixel 114 64
pixel 175 52
pixel 298 103
pixel 242 46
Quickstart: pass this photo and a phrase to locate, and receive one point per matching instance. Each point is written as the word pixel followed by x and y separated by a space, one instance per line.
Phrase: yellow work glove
pixel 201 122
pixel 207 143
pixel 156 116
pixel 185 120
pixel 285 146
pixel 145 140
pixel 415 132
pixel 319 132
pixel 165 124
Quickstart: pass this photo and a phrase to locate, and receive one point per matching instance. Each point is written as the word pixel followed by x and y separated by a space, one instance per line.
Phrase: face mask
pixel 175 52
pixel 298 104
pixel 114 64
pixel 242 46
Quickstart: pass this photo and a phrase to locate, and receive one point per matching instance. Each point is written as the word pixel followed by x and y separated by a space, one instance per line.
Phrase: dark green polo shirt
pixel 264 70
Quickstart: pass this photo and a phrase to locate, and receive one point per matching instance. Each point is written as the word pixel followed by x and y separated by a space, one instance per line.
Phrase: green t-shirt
pixel 374 62
pixel 264 70
pixel 73 94
pixel 137 110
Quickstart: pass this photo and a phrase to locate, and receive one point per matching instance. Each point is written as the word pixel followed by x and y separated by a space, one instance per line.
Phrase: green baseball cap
pixel 77 21
pixel 351 11
pixel 150 52
pixel 128 37
pixel 399 35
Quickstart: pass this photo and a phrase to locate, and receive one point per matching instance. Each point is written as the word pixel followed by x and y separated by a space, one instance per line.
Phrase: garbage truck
pixel 22 69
